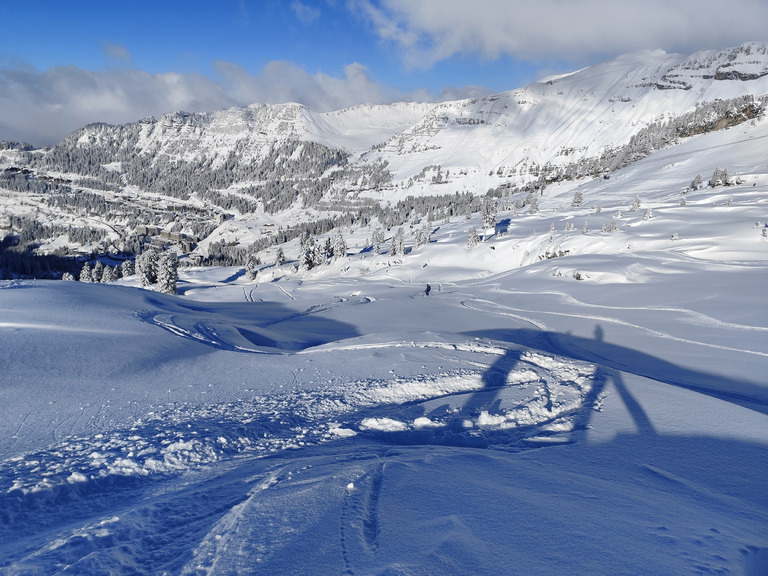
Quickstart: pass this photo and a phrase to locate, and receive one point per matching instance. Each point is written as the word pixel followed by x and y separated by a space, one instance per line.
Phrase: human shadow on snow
pixel 612 359
pixel 159 528
pixel 548 425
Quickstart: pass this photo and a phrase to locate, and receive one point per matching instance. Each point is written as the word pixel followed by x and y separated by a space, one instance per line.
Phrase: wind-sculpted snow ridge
pixel 520 401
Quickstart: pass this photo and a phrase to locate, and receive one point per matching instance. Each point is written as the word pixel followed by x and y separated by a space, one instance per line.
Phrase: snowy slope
pixel 516 421
pixel 489 141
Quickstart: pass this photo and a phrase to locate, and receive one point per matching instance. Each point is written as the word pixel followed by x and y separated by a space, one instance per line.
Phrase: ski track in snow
pixel 696 318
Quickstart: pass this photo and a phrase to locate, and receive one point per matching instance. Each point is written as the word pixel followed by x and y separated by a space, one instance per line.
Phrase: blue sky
pixel 65 63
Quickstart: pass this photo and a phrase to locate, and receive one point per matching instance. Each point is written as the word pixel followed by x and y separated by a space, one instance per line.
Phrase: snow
pixel 603 411
pixel 340 421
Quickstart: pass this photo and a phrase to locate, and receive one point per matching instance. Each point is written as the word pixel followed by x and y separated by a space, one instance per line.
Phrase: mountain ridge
pixel 287 167
pixel 580 113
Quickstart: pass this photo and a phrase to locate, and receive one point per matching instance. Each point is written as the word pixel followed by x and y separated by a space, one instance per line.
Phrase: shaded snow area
pixel 565 401
pixel 492 427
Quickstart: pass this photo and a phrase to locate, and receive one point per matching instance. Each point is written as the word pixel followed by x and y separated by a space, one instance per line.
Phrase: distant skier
pixel 428 290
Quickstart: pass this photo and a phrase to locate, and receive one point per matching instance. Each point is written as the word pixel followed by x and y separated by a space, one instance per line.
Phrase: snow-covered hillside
pixel 583 393
pixel 511 137
pixel 227 186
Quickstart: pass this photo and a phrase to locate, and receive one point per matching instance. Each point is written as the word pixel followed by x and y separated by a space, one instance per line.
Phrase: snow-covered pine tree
pixel 108 275
pixel 85 273
pixel 127 268
pixel 578 199
pixel 97 272
pixel 397 247
pixel 697 182
pixel 489 214
pixel 719 177
pixel 146 264
pixel 311 256
pixel 251 267
pixel 533 205
pixel 328 249
pixel 280 257
pixel 377 239
pixel 339 246
pixel 473 239
pixel 168 272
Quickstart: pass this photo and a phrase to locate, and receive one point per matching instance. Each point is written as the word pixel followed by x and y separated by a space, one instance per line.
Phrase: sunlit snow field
pixel 603 412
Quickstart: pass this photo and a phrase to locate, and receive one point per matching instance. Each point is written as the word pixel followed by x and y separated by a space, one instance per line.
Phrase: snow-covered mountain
pixel 569 398
pixel 250 132
pixel 287 166
pixel 582 392
pixel 558 120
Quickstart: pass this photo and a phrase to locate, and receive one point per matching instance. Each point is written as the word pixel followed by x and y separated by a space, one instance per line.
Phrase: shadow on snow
pixel 257 327
pixel 611 359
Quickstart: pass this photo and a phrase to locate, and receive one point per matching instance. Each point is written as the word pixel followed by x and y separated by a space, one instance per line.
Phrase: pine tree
pixel 377 239
pixel 97 272
pixel 489 213
pixel 168 272
pixel 398 243
pixel 533 204
pixel 328 249
pixel 424 235
pixel 719 177
pixel 339 246
pixel 108 275
pixel 127 268
pixel 251 267
pixel 146 264
pixel 311 255
pixel 578 199
pixel 85 273
pixel 698 182
pixel 473 239
pixel 280 257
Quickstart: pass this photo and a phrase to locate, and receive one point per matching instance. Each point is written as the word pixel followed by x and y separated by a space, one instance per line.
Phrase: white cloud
pixel 116 51
pixel 429 31
pixel 282 81
pixel 306 14
pixel 43 107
